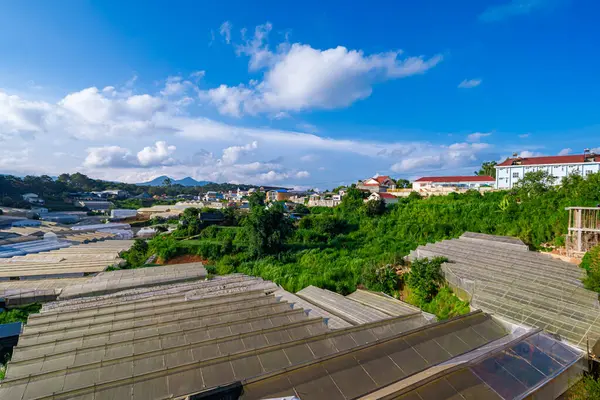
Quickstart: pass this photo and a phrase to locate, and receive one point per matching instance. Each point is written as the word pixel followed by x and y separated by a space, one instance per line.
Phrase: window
pixel 588 172
pixel 515 174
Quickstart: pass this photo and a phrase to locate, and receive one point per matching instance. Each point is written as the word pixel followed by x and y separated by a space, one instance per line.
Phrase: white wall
pixel 506 177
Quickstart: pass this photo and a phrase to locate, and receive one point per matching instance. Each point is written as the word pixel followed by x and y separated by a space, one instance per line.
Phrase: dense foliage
pixel 344 247
pixel 591 264
pixel 425 279
pixel 19 314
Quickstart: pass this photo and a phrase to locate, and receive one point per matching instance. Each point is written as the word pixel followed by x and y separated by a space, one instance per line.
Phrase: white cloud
pixel 159 154
pixel 469 83
pixel 233 153
pixel 476 137
pixel 176 86
pixel 272 176
pixel 514 8
pixel 119 157
pixel 440 157
pixel 197 75
pixel 302 174
pixel 524 135
pixel 308 158
pixel 565 152
pixel 299 77
pixel 225 31
pixel 528 153
pixel 108 156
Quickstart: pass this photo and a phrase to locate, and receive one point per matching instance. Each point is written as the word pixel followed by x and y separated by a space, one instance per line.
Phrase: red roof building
pixel 512 170
pixel 546 160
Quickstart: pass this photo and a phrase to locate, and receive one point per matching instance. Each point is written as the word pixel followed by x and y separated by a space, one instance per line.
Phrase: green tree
pixel 487 169
pixel 534 184
pixel 425 278
pixel 7 201
pixel 353 200
pixel 301 209
pixel 267 230
pixel 403 183
pixel 591 264
pixel 256 199
pixel 167 182
pixel 375 207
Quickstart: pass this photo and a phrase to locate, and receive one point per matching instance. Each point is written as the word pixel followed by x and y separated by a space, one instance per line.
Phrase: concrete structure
pixel 464 182
pixel 584 230
pixel 513 169
pixel 211 196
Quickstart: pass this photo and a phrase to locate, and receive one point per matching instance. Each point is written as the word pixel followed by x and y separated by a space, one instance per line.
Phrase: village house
pixel 387 198
pixel 377 184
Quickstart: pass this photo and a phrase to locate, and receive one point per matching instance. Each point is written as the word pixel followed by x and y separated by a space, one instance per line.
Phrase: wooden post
pixel 578 224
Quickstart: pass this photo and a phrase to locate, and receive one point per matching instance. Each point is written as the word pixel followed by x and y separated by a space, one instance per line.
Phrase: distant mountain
pixel 187 181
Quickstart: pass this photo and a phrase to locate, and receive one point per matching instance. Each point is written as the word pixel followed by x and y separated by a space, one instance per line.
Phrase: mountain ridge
pixel 187 181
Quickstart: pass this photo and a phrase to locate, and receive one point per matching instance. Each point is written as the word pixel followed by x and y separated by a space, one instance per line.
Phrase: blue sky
pixel 306 94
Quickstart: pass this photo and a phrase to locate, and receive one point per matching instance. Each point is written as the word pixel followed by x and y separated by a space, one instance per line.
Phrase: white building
pixel 467 182
pixel 512 170
pixel 32 198
pixel 387 198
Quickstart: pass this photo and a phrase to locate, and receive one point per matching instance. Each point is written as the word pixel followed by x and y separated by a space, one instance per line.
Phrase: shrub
pixel 425 279
pixel 591 264
pixel 381 279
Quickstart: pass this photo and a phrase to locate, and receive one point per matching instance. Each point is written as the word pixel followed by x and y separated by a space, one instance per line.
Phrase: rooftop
pixel 454 179
pixel 569 159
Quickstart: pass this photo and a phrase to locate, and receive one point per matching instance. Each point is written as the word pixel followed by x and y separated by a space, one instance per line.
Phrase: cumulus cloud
pixel 159 154
pixel 302 174
pixel 431 157
pixel 299 77
pixel 565 152
pixel 528 153
pixel 119 157
pixel 476 137
pixel 469 83
pixel 233 153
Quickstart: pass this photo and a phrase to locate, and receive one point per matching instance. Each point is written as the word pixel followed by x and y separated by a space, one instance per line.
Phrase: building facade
pixel 466 182
pixel 377 184
pixel 511 171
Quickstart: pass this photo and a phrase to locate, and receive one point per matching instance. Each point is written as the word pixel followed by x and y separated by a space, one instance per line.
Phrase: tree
pixel 353 200
pixel 403 184
pixel 167 182
pixel 425 278
pixel 7 201
pixel 256 199
pixel 487 169
pixel 267 229
pixel 375 207
pixel 591 264
pixel 301 209
pixel 534 183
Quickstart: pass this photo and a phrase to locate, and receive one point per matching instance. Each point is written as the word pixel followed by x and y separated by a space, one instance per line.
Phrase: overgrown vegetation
pixel 361 243
pixel 19 314
pixel 591 264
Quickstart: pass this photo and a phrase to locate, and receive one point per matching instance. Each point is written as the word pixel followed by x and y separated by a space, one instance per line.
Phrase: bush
pixel 19 314
pixel 591 264
pixel 425 279
pixel 165 246
pixel 381 279
pixel 137 255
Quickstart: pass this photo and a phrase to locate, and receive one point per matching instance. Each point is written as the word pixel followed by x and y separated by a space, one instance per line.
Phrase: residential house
pixel 512 170
pixel 387 198
pixel 212 196
pixel 377 184
pixel 455 182
pixel 32 198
